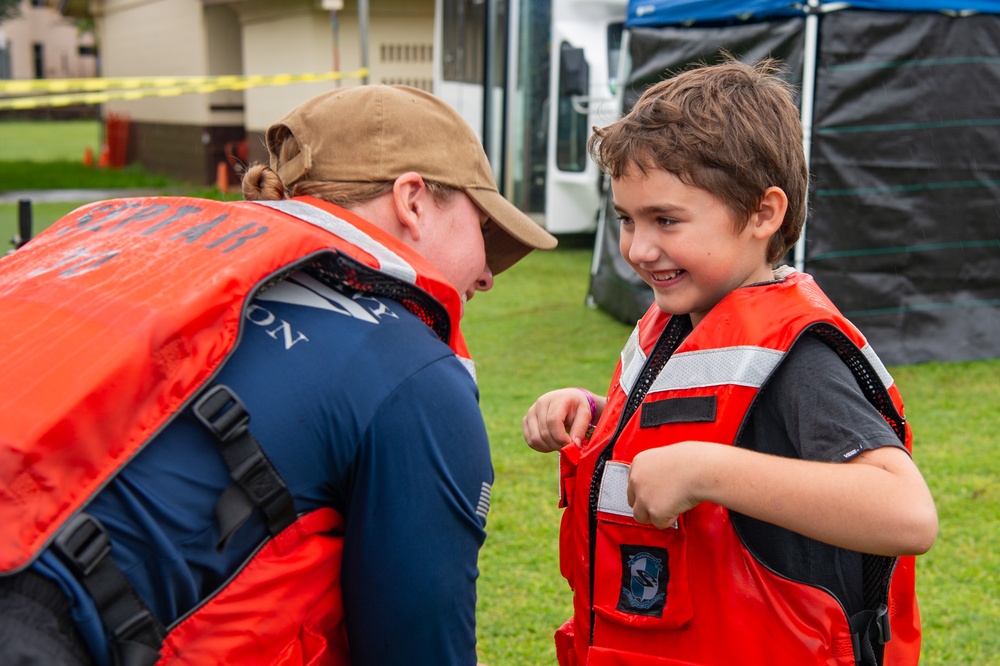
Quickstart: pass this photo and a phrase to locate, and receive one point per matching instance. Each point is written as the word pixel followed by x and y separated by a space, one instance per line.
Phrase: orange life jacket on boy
pixel 694 594
pixel 118 317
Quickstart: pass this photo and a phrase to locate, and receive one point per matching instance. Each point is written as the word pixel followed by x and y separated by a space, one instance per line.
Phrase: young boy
pixel 747 493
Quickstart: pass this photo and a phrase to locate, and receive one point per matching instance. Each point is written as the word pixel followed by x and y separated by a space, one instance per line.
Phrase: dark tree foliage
pixel 9 9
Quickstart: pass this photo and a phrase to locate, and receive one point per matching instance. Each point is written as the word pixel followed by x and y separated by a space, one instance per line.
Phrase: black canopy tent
pixel 901 109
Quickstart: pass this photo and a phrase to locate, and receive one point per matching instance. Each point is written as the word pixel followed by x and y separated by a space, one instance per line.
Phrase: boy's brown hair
pixel 731 129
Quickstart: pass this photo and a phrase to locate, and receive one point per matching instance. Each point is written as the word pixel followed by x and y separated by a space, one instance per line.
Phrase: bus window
pixel 462 47
pixel 574 82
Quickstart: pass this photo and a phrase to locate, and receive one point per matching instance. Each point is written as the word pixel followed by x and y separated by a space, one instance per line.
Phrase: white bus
pixel 550 67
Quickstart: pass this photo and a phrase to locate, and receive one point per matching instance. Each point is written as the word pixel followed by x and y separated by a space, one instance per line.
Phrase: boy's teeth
pixel 666 276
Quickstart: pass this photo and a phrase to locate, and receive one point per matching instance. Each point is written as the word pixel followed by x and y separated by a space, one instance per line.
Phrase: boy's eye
pixel 623 220
pixel 665 221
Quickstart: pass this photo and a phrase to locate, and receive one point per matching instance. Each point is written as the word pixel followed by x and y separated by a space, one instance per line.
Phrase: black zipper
pixel 673 334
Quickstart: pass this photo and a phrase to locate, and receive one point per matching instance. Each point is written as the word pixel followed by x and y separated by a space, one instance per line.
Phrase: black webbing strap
pixel 870 632
pixel 135 633
pixel 257 483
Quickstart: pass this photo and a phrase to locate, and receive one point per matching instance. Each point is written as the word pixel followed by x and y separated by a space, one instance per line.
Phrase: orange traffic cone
pixel 105 159
pixel 88 157
pixel 222 177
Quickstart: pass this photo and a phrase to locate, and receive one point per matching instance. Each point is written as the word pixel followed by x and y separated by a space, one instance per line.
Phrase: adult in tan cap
pixel 382 150
pixel 281 459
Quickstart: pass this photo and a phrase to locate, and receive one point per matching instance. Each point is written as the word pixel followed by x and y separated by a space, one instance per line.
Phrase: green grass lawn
pixel 30 175
pixel 534 333
pixel 48 155
pixel 48 140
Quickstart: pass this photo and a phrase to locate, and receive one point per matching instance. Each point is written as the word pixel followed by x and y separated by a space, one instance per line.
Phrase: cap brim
pixel 517 235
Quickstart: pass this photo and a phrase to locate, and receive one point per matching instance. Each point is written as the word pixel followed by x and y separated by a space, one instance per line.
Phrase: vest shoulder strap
pixel 134 632
pixel 256 483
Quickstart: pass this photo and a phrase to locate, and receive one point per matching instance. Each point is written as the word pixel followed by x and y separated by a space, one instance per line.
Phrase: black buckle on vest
pixel 83 542
pixel 256 476
pixel 143 623
pixel 881 622
pixel 223 413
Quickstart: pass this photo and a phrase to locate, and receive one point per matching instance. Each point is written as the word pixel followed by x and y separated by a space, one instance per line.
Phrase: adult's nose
pixel 485 280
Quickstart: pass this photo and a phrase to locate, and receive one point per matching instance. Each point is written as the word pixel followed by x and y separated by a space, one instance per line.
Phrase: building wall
pixel 60 43
pixel 400 50
pixel 145 38
pixel 295 36
pixel 182 136
pixel 186 152
pixel 215 37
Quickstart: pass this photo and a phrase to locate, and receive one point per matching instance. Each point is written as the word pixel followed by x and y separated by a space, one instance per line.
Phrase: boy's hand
pixel 662 482
pixel 558 418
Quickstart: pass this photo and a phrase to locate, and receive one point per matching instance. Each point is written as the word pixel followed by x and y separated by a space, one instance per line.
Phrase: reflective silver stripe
pixel 614 490
pixel 740 366
pixel 876 362
pixel 633 358
pixel 470 366
pixel 389 262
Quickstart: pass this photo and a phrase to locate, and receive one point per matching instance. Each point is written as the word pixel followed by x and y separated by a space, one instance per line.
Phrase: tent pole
pixel 808 92
pixel 624 64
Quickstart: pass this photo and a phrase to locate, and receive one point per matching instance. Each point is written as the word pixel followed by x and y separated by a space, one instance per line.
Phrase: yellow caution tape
pixel 138 88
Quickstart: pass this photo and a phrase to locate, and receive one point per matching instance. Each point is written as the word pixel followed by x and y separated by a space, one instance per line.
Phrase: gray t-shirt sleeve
pixel 814 409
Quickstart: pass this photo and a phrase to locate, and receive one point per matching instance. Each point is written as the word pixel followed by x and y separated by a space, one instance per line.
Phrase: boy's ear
pixel 771 212
pixel 408 202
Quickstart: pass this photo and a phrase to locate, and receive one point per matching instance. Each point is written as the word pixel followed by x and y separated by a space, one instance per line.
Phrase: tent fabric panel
pixel 688 13
pixel 951 7
pixel 658 53
pixel 903 232
pixel 917 331
pixel 693 12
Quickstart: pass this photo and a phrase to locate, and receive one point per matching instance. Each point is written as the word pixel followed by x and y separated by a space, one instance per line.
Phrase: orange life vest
pixel 694 594
pixel 119 315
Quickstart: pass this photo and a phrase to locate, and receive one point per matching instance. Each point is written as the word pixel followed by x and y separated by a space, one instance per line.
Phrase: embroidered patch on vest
pixel 678 410
pixel 645 575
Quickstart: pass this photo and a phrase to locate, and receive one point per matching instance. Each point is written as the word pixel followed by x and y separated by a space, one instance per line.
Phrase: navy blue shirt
pixel 360 407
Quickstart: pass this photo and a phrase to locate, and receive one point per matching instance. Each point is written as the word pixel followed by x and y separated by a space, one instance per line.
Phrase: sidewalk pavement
pixel 58 196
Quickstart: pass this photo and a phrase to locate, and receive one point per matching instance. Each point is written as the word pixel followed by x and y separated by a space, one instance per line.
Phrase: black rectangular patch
pixel 645 574
pixel 678 410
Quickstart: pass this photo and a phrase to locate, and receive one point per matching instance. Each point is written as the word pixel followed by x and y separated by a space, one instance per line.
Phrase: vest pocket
pixel 641 578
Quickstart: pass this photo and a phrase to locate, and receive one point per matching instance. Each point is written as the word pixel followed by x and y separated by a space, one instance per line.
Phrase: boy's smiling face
pixel 683 241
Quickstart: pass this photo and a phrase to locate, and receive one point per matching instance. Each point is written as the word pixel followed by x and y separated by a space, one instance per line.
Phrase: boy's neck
pixel 778 275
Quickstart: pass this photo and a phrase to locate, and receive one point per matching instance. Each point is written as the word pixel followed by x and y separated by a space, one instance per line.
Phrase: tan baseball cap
pixel 375 133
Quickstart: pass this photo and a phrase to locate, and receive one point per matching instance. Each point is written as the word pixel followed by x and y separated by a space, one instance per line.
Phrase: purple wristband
pixel 593 406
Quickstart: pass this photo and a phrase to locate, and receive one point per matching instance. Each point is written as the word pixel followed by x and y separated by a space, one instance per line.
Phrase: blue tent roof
pixel 691 12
